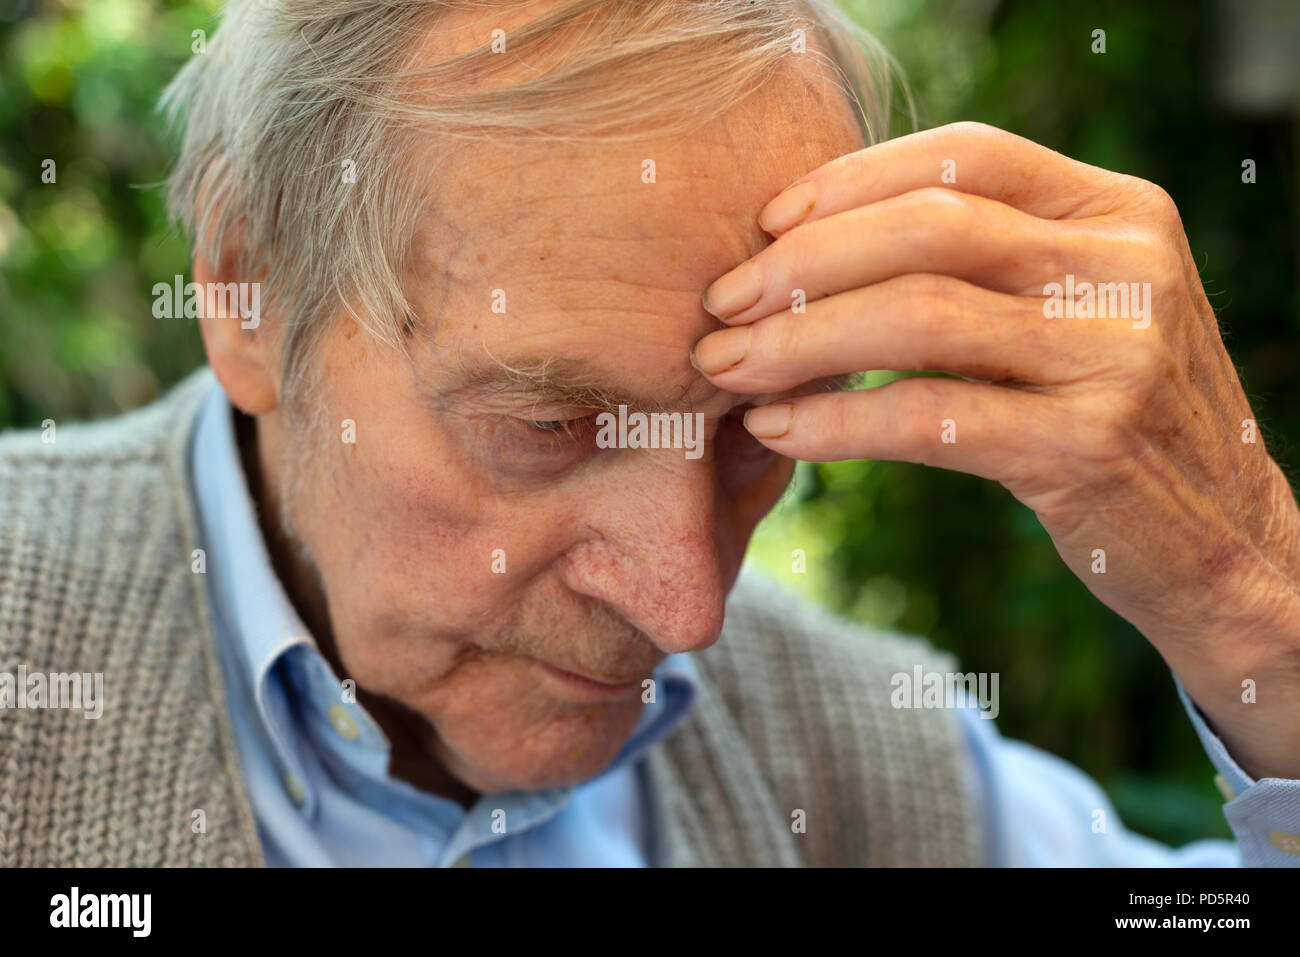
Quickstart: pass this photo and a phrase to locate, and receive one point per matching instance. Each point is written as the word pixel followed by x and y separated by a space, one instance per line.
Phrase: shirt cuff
pixel 1264 815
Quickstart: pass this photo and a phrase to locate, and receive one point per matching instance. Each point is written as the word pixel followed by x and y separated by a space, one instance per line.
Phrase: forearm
pixel 1241 664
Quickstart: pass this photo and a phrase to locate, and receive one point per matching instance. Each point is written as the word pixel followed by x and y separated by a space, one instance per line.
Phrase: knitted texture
pixel 96 535
pixel 795 716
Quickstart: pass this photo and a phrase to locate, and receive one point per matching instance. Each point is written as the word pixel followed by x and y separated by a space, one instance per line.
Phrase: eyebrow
pixel 561 380
pixel 555 379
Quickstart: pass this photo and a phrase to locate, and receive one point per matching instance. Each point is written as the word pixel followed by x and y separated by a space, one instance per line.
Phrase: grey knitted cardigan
pixel 96 534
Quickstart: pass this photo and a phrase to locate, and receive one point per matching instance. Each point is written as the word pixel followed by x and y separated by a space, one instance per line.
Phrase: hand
pixel 1123 427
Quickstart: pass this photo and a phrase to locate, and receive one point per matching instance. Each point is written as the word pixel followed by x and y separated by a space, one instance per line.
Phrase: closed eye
pixel 566 427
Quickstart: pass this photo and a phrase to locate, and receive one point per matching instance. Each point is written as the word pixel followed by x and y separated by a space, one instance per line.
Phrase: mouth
pixel 586 687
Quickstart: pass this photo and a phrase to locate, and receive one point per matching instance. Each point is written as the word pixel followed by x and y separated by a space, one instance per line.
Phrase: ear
pixel 243 356
pixel 243 359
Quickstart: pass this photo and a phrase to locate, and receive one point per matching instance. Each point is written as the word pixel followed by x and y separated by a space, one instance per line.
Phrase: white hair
pixel 291 94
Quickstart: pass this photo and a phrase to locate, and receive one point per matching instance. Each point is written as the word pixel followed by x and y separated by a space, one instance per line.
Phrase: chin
pixel 567 749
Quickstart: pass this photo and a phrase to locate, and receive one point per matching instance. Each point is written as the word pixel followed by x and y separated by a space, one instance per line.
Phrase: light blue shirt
pixel 316 766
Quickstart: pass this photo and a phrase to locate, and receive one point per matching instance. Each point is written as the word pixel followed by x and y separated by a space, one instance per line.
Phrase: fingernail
pixel 734 292
pixel 789 208
pixel 769 421
pixel 722 350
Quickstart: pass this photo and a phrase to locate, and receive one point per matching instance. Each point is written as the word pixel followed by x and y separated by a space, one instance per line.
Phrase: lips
pixel 611 683
pixel 577 686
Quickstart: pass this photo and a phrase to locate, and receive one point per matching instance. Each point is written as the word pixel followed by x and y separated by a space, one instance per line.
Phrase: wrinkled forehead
pixel 599 251
pixel 708 189
pixel 673 211
pixel 683 205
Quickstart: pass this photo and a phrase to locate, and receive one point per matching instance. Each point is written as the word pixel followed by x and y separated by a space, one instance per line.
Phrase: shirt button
pixel 1286 843
pixel 296 792
pixel 343 722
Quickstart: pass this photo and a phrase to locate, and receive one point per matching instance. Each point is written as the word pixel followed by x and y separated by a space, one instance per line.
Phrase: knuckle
pixel 1159 262
pixel 775 337
pixel 947 209
pixel 1152 196
pixel 1167 270
pixel 833 419
pixel 1159 197
pixel 924 419
pixel 793 253
pixel 935 302
pixel 1054 256
pixel 973 129
pixel 931 297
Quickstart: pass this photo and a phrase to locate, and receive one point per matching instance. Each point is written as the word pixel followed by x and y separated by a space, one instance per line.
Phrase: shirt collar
pixel 676 680
pixel 262 624
pixel 255 605
pixel 257 620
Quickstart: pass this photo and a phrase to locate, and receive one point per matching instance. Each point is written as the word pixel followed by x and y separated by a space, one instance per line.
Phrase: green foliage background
pixel 934 553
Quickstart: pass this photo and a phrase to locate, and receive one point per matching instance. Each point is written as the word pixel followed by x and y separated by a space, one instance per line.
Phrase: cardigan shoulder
pixel 796 731
pixel 97 577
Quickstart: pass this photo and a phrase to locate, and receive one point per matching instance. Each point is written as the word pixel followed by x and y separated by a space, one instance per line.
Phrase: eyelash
pixel 549 447
pixel 547 425
pixel 568 426
pixel 554 426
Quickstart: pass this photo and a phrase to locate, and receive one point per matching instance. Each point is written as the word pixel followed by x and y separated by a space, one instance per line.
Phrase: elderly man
pixel 385 585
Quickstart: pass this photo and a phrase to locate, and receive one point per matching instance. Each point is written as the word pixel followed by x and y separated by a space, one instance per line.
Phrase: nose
pixel 651 552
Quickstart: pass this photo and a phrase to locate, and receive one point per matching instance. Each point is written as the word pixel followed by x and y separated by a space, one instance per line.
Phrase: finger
pixel 918 321
pixel 969 157
pixel 984 430
pixel 925 231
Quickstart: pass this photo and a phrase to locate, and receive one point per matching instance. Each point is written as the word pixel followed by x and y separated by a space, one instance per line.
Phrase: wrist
pixel 1248 684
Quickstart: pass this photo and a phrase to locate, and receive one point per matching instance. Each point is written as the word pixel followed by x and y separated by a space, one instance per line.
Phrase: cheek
pixel 401 547
pixel 419 562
